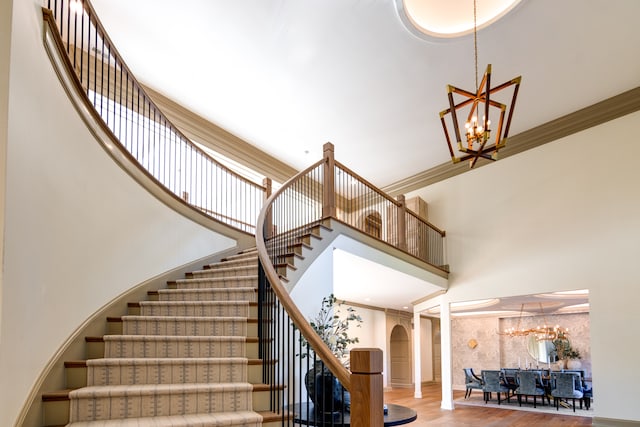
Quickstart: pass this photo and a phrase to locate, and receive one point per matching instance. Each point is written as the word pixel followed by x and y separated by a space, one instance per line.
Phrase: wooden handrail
pixel 300 321
pixel 113 82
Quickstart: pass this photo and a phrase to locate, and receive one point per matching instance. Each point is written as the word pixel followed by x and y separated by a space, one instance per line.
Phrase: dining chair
pixel 493 382
pixel 472 381
pixel 529 384
pixel 567 386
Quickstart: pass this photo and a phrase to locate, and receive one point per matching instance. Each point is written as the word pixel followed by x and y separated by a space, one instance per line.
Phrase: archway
pixel 399 356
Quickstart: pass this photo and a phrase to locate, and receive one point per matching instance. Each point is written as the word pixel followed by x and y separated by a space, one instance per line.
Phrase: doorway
pixel 399 355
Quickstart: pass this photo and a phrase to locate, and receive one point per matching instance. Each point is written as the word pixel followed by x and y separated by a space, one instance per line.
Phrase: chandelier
pixel 542 333
pixel 480 104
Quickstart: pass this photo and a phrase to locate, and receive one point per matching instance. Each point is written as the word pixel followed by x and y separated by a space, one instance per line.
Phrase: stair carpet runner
pixel 180 362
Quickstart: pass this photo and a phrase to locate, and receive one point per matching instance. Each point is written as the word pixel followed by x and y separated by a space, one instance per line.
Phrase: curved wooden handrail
pixel 319 347
pixel 113 51
pixel 70 52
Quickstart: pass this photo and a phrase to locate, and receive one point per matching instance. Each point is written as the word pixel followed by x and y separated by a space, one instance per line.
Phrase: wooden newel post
pixel 402 222
pixel 367 398
pixel 329 191
pixel 268 221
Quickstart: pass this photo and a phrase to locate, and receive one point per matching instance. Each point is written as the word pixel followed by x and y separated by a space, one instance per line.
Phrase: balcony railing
pixel 142 130
pixel 325 191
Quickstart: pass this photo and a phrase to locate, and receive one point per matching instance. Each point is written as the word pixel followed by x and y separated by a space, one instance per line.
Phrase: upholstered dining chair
pixel 529 384
pixel 492 383
pixel 567 386
pixel 509 378
pixel 472 381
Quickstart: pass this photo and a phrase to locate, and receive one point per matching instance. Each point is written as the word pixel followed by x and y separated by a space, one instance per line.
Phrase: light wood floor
pixel 430 414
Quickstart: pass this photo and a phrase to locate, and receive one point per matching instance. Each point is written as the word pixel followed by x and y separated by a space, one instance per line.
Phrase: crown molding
pixel 601 112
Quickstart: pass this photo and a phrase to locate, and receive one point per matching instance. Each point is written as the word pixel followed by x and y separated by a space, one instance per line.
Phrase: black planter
pixel 325 391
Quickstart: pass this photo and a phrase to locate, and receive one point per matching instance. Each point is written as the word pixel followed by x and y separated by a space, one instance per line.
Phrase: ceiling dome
pixel 451 18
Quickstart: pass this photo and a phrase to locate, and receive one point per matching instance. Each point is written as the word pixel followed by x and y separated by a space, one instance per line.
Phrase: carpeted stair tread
pixel 159 389
pixel 184 325
pixel 233 262
pixel 216 282
pixel 226 271
pixel 148 400
pixel 174 346
pixel 129 371
pixel 194 308
pixel 230 419
pixel 209 294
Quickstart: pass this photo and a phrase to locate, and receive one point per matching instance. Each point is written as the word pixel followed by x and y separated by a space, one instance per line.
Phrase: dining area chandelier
pixel 542 333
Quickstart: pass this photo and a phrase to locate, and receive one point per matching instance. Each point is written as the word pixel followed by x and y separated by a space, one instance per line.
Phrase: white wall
pixel 78 230
pixel 563 216
pixel 317 283
pixel 5 45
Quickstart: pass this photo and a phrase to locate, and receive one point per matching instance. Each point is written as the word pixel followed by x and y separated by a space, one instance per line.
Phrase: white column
pixel 445 346
pixel 417 355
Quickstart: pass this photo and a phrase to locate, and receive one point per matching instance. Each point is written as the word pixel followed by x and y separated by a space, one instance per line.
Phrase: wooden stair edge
pixel 56 396
pixel 267 387
pixel 270 417
pixel 75 363
pixel 285 265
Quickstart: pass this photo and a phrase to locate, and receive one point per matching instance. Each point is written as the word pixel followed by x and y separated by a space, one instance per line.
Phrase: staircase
pixel 186 357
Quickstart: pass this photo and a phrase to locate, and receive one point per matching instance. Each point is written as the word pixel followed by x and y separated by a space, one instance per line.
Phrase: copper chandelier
pixel 478 142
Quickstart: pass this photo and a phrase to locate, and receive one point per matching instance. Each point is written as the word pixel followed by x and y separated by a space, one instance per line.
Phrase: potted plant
pixel 566 355
pixel 573 358
pixel 322 387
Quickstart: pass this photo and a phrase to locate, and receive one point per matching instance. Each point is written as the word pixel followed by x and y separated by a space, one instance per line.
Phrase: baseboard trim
pixel 613 422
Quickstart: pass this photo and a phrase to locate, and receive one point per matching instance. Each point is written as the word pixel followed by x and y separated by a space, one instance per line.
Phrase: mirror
pixel 542 351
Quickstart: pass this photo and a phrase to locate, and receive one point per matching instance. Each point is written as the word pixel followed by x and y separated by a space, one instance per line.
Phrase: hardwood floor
pixel 430 414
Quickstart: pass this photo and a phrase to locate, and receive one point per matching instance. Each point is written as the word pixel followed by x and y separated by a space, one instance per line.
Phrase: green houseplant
pixel 333 328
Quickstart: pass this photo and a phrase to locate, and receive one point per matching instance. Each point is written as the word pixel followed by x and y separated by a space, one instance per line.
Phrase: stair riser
pixel 82 376
pixel 208 295
pixel 239 263
pixel 180 327
pixel 110 407
pixel 183 348
pixel 249 257
pixel 188 309
pixel 165 373
pixel 215 283
pixel 245 270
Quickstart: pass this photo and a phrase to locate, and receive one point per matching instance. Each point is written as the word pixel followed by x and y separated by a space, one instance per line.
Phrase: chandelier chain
pixel 475 40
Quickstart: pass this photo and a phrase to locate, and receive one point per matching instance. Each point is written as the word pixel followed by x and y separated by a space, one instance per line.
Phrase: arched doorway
pixel 399 356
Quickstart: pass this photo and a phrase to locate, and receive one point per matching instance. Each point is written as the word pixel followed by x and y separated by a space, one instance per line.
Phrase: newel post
pixel 367 399
pixel 402 223
pixel 328 192
pixel 268 220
